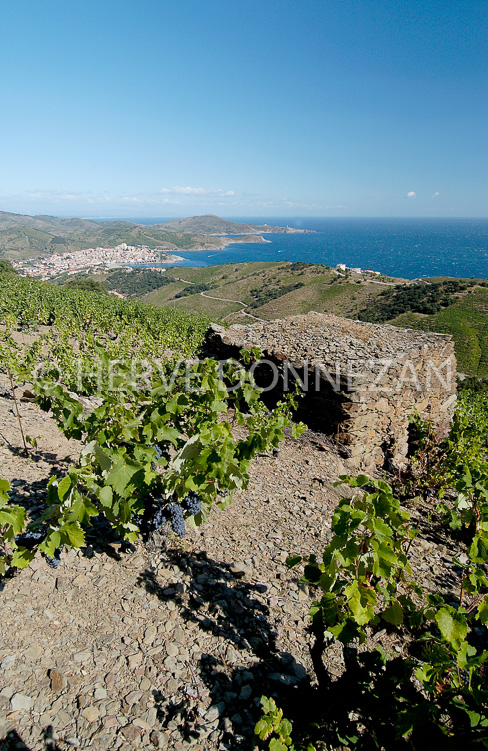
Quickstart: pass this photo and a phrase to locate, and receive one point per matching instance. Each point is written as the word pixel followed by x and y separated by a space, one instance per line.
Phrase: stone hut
pixel 361 381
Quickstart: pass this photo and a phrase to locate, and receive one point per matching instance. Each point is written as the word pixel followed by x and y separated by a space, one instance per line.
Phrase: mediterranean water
pixel 405 247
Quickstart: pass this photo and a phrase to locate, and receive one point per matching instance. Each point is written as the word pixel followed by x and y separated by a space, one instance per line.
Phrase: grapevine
pixel 437 690
pixel 158 447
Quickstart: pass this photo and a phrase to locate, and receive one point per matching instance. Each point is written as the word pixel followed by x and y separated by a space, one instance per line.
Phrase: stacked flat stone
pixel 364 379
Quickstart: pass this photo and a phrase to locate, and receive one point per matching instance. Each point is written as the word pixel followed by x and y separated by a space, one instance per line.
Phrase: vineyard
pixel 466 321
pixel 86 318
pixel 287 605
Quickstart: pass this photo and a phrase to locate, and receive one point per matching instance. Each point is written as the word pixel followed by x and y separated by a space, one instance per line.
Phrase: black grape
pixel 175 513
pixel 158 451
pixel 192 503
pixel 30 538
pixel 158 519
pixel 159 454
pixel 54 562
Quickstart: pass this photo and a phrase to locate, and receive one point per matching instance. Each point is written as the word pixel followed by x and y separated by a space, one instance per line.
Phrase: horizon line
pixel 171 217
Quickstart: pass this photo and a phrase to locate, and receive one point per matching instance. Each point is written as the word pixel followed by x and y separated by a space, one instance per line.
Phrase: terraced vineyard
pixel 277 290
pixel 271 290
pixel 467 321
pixel 152 457
pixel 123 327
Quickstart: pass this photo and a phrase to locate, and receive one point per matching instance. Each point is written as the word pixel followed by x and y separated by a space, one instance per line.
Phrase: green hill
pixel 265 290
pixel 34 236
pixel 277 290
pixel 467 321
pixel 211 224
pixel 23 236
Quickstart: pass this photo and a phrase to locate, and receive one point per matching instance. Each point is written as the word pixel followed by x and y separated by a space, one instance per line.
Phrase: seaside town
pixel 92 259
pixel 97 259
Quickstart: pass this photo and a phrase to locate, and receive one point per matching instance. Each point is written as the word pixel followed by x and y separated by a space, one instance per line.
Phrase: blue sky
pixel 244 107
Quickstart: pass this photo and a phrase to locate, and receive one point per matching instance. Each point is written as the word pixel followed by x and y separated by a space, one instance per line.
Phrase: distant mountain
pixel 209 224
pixel 43 222
pixel 23 236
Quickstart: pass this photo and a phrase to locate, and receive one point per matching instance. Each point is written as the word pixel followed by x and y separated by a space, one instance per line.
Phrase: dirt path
pixel 224 299
pixel 239 302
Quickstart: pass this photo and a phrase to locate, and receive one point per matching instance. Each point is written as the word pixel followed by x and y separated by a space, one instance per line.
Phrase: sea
pixel 410 248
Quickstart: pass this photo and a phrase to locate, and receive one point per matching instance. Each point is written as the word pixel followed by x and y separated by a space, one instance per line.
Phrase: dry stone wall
pixel 361 380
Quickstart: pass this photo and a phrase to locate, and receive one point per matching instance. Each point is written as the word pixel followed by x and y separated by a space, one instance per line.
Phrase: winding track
pixel 225 299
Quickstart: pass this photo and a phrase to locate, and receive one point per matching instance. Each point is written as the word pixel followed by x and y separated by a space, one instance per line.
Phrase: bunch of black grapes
pixel 174 512
pixel 192 503
pixel 55 561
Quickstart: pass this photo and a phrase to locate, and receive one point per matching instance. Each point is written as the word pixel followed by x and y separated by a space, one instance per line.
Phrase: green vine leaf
pixel 122 474
pixel 393 614
pixel 22 557
pixel 453 627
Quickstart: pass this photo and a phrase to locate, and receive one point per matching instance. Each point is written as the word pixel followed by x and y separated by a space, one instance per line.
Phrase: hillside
pixel 466 319
pixel 169 639
pixel 214 225
pixel 24 236
pixel 266 290
pixel 156 640
pixel 235 292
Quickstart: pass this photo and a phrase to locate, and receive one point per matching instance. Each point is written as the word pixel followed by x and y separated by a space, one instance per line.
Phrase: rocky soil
pixel 169 646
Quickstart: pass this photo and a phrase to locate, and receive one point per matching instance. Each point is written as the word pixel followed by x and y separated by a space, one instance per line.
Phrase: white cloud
pixel 285 203
pixel 411 194
pixel 165 201
pixel 142 201
pixel 188 191
pixel 56 194
pixel 43 201
pixel 434 195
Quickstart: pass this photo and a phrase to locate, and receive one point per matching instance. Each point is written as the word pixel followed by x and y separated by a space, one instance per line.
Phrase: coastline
pixel 405 248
